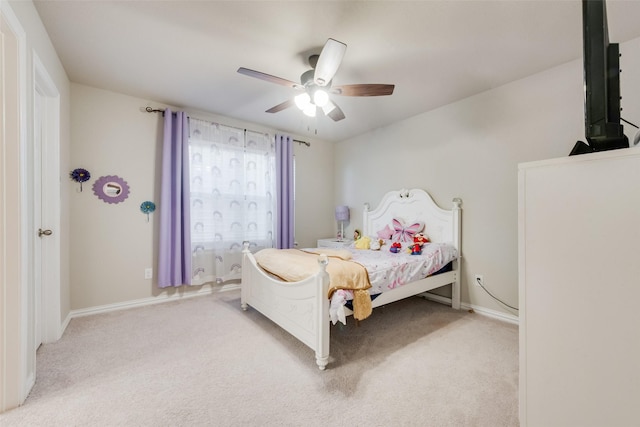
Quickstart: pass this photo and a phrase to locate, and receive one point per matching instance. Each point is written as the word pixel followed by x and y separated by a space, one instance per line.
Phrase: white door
pixel 46 207
pixel 38 234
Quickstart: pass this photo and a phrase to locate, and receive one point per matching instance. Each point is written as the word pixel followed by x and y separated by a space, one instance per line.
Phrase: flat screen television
pixel 603 130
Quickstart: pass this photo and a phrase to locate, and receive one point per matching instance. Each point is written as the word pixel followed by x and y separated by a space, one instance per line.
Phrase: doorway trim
pixel 16 378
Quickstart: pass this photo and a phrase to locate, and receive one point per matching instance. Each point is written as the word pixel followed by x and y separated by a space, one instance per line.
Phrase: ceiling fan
pixel 315 84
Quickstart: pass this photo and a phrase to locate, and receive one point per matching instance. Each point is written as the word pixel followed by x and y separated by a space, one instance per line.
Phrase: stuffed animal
pixel 419 240
pixel 375 244
pixel 363 243
pixel 395 247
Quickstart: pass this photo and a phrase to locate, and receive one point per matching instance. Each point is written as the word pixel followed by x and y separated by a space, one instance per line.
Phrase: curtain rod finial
pixel 308 144
pixel 151 110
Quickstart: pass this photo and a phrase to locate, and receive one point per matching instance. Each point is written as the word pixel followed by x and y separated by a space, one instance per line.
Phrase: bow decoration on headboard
pixel 404 233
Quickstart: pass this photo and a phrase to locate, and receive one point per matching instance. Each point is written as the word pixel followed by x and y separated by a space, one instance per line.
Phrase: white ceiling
pixel 186 53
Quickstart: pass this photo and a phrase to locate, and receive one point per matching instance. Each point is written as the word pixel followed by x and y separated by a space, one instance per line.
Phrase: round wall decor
pixel 111 189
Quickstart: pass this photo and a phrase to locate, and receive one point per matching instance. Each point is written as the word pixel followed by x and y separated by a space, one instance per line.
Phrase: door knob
pixel 42 232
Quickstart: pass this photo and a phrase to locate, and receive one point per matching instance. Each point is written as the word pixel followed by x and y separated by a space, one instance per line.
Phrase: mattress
pixel 389 270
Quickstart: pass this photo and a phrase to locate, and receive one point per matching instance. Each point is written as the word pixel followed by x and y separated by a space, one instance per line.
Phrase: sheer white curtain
pixel 233 197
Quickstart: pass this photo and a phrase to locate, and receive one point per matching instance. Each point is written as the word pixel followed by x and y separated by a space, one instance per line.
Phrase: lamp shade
pixel 342 213
pixel 302 100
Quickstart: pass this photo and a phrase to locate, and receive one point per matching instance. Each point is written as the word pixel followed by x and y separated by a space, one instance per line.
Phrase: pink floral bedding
pixel 389 270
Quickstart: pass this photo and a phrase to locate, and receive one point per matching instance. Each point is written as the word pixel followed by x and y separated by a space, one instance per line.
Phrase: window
pixel 233 199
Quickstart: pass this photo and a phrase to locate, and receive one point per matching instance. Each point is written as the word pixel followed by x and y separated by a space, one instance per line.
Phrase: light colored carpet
pixel 205 362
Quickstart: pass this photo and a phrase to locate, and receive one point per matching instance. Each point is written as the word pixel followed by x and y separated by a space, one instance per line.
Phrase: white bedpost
pixel 322 345
pixel 365 219
pixel 246 272
pixel 457 224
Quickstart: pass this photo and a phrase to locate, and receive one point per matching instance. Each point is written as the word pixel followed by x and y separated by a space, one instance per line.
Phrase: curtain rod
pixel 156 110
pixel 308 144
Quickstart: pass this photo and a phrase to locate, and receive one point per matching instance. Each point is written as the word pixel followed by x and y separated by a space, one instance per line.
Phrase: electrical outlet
pixel 478 280
pixel 148 273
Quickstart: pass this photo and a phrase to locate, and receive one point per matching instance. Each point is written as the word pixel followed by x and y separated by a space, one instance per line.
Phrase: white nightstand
pixel 334 243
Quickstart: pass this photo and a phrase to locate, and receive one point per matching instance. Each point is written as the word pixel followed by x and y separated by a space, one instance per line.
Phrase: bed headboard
pixel 415 205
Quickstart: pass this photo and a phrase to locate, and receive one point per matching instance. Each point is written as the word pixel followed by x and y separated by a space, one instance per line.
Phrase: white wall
pixel 471 149
pixel 315 179
pixel 630 84
pixel 112 244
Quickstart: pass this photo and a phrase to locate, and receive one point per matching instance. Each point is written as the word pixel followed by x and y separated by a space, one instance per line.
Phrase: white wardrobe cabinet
pixel 579 290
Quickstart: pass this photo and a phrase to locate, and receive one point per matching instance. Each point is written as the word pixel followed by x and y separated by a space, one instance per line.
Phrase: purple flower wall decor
pixel 111 189
pixel 80 175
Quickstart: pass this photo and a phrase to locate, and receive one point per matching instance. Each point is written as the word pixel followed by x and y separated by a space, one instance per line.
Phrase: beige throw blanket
pixel 293 265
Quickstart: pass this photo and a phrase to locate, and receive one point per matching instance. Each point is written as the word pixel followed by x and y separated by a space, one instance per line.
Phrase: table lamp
pixel 342 215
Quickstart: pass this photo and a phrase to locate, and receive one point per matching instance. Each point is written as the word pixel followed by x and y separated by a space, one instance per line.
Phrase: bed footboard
pixel 300 308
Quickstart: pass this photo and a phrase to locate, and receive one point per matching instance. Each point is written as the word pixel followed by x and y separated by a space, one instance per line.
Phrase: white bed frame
pixel 302 308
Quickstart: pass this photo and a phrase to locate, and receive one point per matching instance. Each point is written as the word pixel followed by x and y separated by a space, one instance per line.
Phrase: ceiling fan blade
pixel 269 78
pixel 363 90
pixel 282 106
pixel 332 110
pixel 328 62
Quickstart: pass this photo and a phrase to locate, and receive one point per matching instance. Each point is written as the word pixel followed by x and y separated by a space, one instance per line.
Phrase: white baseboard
pixel 209 290
pixel 505 317
pixel 204 290
pixel 65 324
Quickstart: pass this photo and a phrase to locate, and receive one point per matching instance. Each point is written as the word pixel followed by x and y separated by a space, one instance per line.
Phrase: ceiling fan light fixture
pixel 316 85
pixel 310 110
pixel 320 98
pixel 303 101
